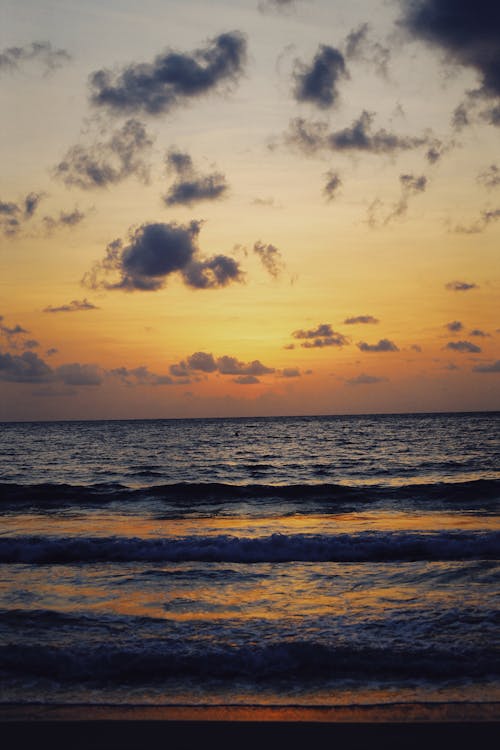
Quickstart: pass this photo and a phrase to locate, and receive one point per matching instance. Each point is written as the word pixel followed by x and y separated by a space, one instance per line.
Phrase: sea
pixel 321 561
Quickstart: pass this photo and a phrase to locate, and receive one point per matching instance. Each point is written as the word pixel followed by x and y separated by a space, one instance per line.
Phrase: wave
pixel 276 548
pixel 12 494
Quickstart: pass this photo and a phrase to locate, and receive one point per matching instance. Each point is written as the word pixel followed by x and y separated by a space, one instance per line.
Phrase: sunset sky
pixel 249 208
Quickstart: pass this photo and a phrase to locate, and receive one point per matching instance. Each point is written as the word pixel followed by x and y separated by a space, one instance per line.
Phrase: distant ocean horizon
pixel 314 561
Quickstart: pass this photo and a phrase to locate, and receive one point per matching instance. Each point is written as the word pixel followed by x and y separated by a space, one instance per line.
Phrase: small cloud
pixel 278 6
pixel 172 79
pixel 270 257
pixel 494 367
pixel 489 177
pixel 13 59
pixel 24 368
pixel 410 185
pixel 332 186
pixel 13 216
pixel 74 306
pixel 359 46
pixel 454 326
pixel 140 376
pixel 321 336
pixel 364 379
pixel 269 202
pixel 478 332
pixel 31 344
pixel 384 345
pixel 105 163
pixel 65 219
pixel 192 187
pixel 364 319
pixel 50 352
pixel 487 217
pixel 464 347
pixel 416 348
pixel 232 366
pixel 290 372
pixel 246 380
pixel 460 286
pixel 317 83
pixel 202 361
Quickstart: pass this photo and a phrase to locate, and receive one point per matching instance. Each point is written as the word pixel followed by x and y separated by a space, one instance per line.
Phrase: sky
pixel 249 207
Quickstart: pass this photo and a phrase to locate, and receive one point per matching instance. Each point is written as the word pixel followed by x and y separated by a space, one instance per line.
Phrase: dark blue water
pixel 281 561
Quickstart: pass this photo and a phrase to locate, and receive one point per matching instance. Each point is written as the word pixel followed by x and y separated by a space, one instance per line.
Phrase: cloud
pixel 74 306
pixel 232 366
pixel 454 326
pixel 384 345
pixel 202 361
pixel 13 216
pixel 191 187
pixel 318 82
pixel 359 46
pixel 246 380
pixel 270 257
pixel 358 137
pixel 416 348
pixel 42 53
pixel 31 344
pixel 225 365
pixel 279 6
pixel 487 217
pixel 172 79
pixel 77 374
pixel 156 251
pixel 333 184
pixel 319 337
pixel 467 32
pixel 493 368
pixel 364 379
pixel 464 347
pixel 460 286
pixel 478 333
pixel 365 319
pixel 65 219
pixel 24 368
pixel 140 376
pixel 410 185
pixel 290 372
pixel 104 163
pixel 489 177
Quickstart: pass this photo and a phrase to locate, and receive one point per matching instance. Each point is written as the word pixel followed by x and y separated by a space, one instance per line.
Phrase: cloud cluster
pixel 364 319
pixel 384 345
pixel 467 32
pixel 171 79
pixel 464 347
pixel 313 136
pixel 455 326
pixel 317 83
pixel 270 257
pixel 42 53
pixel 28 367
pixel 104 163
pixel 489 177
pixel 246 373
pixel 359 46
pixel 494 367
pixel 190 186
pixel 66 219
pixel 460 286
pixel 13 216
pixel 74 306
pixel 152 253
pixel 140 376
pixel 321 336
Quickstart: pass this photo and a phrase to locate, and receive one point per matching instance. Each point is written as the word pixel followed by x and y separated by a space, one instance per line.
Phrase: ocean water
pixel 309 561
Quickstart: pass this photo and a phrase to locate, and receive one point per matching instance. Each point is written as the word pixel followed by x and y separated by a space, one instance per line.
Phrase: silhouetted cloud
pixel 365 319
pixel 410 185
pixel 318 82
pixel 460 286
pixel 478 333
pixel 467 32
pixel 140 376
pixel 24 368
pixel 41 53
pixel 364 379
pixel 359 46
pixel 332 186
pixel 489 177
pixel 246 380
pixel 77 374
pixel 464 347
pixel 454 326
pixel 319 337
pixel 232 366
pixel 171 79
pixel 31 344
pixel 278 6
pixel 270 257
pixel 358 137
pixel 154 252
pixel 202 361
pixel 493 368
pixel 225 365
pixel 65 219
pixel 290 372
pixel 13 215
pixel 192 187
pixel 74 306
pixel 384 345
pixel 108 162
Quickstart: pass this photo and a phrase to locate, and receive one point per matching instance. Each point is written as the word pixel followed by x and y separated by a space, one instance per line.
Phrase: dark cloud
pixel 156 251
pixel 489 177
pixel 358 137
pixel 74 306
pixel 246 380
pixel 171 79
pixel 319 337
pixel 140 376
pixel 50 352
pixel 202 361
pixel 332 186
pixel 225 365
pixel 365 319
pixel 478 333
pixel 191 187
pixel 416 348
pixel 270 257
pixel 454 326
pixel 13 216
pixel 77 374
pixel 384 345
pixel 460 286
pixel 108 162
pixel 467 32
pixel 42 53
pixel 65 219
pixel 493 368
pixel 364 379
pixel 318 82
pixel 232 366
pixel 464 347
pixel 11 330
pixel 24 368
pixel 359 46
pixel 31 344
pixel 436 151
